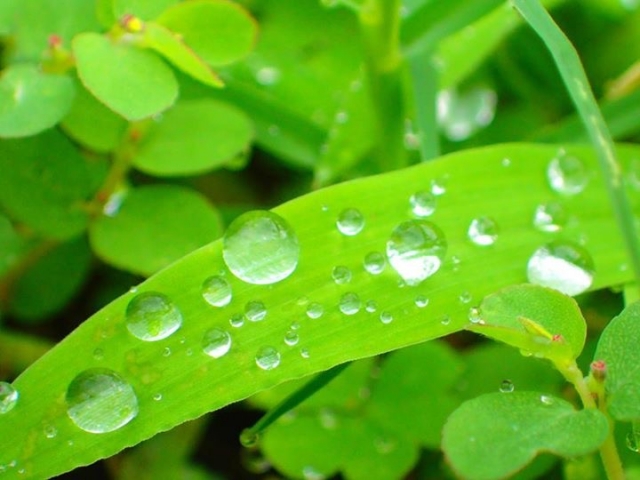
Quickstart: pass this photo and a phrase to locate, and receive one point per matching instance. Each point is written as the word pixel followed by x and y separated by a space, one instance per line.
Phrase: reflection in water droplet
pixel 216 343
pixel 561 265
pixel 350 222
pixel 386 317
pixel 216 291
pixel 416 250
pixel 567 175
pixel 151 316
pixel 483 231
pixel 315 310
pixel 236 320
pixel 371 306
pixel 291 338
pixel 255 311
pixel 349 303
pixel 260 248
pixel 374 263
pixel 550 217
pixel 633 437
pixel 341 275
pixel 267 358
pixel 423 203
pixel 100 401
pixel 421 301
pixel 507 386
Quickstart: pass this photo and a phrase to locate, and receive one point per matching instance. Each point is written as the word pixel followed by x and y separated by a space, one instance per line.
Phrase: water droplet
pixel 216 343
pixel 311 473
pixel 483 231
pixel 302 301
pixel 268 76
pixel 260 248
pixel 506 162
pixel 291 338
pixel 446 320
pixel 416 250
pixel 423 204
pixel 439 186
pixel 50 431
pixel 350 303
pixel 507 386
pixel 216 291
pixel 268 358
pixel 100 401
pixel 341 275
pixel 249 438
pixel 561 265
pixel 151 316
pixel 157 397
pixel 633 437
pixel 98 354
pixel 567 175
pixel 304 353
pixel 350 222
pixel 255 311
pixel 315 310
pixel 386 317
pixel 461 114
pixel 166 352
pixel 550 217
pixel 465 297
pixel 374 263
pixel 547 400
pixel 421 301
pixel 474 315
pixel 294 325
pixel 371 306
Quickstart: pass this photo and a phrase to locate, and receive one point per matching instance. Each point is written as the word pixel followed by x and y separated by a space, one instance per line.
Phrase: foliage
pixel 426 163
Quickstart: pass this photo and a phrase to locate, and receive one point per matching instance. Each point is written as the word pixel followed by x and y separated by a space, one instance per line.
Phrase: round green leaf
pixel 133 82
pixel 45 182
pixel 194 137
pixel 32 101
pixel 219 31
pixel 155 226
pixel 618 348
pixel 497 434
pixel 538 320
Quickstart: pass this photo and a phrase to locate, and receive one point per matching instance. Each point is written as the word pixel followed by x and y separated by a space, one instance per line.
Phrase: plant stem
pixel 577 84
pixel 424 80
pixel 380 26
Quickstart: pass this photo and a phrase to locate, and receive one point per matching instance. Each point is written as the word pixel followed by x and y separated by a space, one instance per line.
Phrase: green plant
pixel 120 149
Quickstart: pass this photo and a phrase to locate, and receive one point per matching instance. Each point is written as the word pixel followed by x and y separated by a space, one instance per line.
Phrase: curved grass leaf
pixel 497 434
pixel 192 383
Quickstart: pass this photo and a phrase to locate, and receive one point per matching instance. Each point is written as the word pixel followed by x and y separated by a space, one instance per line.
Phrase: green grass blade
pixel 580 91
pixel 478 182
pixel 424 80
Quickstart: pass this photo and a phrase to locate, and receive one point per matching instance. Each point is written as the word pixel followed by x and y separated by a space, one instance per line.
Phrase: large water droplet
pixel 260 248
pixel 8 397
pixel 216 291
pixel 151 316
pixel 423 203
pixel 507 386
pixel 350 222
pixel 255 311
pixel 416 250
pixel 567 175
pixel 350 303
pixel 216 343
pixel 483 231
pixel 561 265
pixel 374 263
pixel 100 401
pixel 268 358
pixel 315 310
pixel 550 217
pixel 341 275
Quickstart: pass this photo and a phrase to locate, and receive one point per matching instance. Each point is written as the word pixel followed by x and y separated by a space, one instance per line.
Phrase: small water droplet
pixel 350 303
pixel 157 397
pixel 294 325
pixel 550 217
pixel 567 175
pixel 374 263
pixel 371 306
pixel 350 222
pixel 506 162
pixel 166 352
pixel 291 338
pixel 423 203
pixel 98 354
pixel 507 386
pixel 547 400
pixel 267 358
pixel 50 431
pixel 216 291
pixel 465 297
pixel 248 438
pixel 386 317
pixel 100 401
pixel 268 76
pixel 304 353
pixel 151 316
pixel 255 311
pixel 216 342
pixel 474 315
pixel 260 248
pixel 236 320
pixel 311 473
pixel 483 231
pixel 302 301
pixel 416 250
pixel 439 186
pixel 315 310
pixel 341 275
pixel 561 265
pixel 446 320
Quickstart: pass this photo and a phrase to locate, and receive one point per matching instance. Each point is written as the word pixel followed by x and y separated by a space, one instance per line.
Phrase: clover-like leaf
pixel 497 434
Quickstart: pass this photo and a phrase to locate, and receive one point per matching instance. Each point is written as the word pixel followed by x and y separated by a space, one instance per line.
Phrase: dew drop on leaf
pixel 216 291
pixel 350 222
pixel 422 203
pixel 236 320
pixel 416 250
pixel 341 275
pixel 465 297
pixel 255 311
pixel 550 217
pixel 248 438
pixel 8 397
pixel 260 248
pixel 439 186
pixel 216 342
pixel 474 315
pixel 268 358
pixel 311 473
pixel 446 320
pixel 547 400
pixel 561 265
pixel 315 310
pixel 507 386
pixel 386 317
pixel 567 175
pixel 268 76
pixel 421 301
pixel 50 431
pixel 100 401
pixel 350 303
pixel 304 353
pixel 151 316
pixel 374 263
pixel 291 338
pixel 371 306
pixel 483 231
